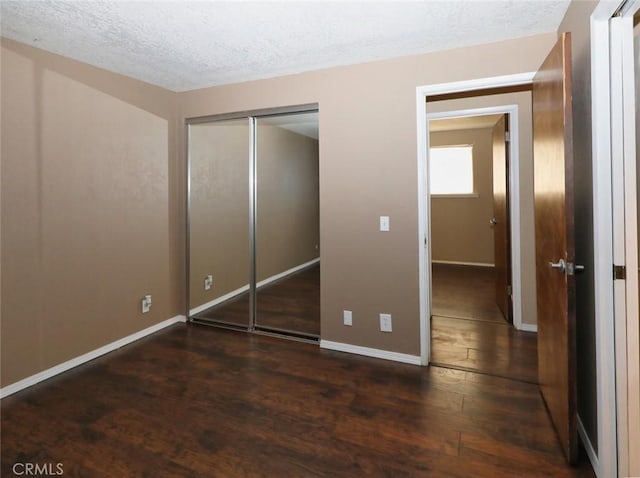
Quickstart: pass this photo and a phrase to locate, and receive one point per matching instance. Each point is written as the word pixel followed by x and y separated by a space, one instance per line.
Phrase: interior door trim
pixel 424 213
pixel 606 459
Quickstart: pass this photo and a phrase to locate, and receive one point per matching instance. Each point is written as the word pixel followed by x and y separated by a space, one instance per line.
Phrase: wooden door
pixel 555 252
pixel 500 221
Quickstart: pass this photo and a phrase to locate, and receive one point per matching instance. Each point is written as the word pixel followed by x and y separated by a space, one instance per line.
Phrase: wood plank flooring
pixel 195 401
pixel 290 304
pixel 464 291
pixel 486 347
pixel 468 330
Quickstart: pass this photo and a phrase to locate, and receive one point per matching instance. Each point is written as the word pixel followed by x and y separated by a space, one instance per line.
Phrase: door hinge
pixel 507 136
pixel 619 272
pixel 509 290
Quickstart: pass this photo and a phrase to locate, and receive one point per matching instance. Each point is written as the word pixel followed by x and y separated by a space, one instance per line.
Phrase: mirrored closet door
pixel 287 224
pixel 219 221
pixel 253 209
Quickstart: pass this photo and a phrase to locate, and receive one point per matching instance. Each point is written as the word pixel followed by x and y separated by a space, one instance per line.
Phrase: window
pixel 451 170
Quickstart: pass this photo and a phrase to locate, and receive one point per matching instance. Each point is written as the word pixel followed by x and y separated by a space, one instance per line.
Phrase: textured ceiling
pixel 184 45
pixel 305 124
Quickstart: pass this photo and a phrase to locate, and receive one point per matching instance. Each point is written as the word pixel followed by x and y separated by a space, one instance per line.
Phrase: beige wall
pixel 287 233
pixel 93 198
pixel 88 209
pixel 576 21
pixel 288 209
pixel 460 230
pixel 525 164
pixel 368 168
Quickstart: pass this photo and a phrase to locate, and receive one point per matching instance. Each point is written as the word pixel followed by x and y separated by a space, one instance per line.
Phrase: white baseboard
pixel 528 327
pixel 369 352
pixel 588 446
pixel 219 300
pixel 293 270
pixel 69 364
pixel 245 288
pixel 456 263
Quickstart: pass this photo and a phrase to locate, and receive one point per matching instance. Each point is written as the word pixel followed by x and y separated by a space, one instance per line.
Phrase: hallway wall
pixel 460 230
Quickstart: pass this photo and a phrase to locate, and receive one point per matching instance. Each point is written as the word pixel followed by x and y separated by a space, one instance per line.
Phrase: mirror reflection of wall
pixel 219 249
pixel 288 223
pixel 284 258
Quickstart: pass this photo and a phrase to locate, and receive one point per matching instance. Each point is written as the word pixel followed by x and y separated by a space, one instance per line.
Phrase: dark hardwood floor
pixel 290 304
pixel 486 347
pixel 465 292
pixel 468 330
pixel 194 401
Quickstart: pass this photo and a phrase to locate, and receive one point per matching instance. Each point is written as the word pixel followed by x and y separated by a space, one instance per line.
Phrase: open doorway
pixel 472 294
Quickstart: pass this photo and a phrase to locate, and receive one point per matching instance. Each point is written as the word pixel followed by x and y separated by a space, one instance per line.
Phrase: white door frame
pixel 628 379
pixel 631 380
pixel 424 210
pixel 611 140
pixel 615 227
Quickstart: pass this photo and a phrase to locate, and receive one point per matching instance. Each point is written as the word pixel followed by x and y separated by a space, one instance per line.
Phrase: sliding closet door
pixel 287 224
pixel 219 222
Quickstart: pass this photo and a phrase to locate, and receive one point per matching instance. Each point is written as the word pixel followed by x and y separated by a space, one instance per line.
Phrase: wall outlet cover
pixel 385 323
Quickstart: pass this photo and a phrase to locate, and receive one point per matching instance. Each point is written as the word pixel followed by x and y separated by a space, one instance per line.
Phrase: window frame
pixel 470 195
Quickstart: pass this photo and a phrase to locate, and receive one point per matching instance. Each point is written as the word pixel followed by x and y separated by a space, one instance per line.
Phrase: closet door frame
pixel 252 116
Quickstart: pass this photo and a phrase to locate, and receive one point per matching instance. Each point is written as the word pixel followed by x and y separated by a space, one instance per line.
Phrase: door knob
pixel 493 221
pixel 569 267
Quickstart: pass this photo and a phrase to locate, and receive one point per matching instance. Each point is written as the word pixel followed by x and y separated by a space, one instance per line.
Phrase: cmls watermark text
pixel 38 469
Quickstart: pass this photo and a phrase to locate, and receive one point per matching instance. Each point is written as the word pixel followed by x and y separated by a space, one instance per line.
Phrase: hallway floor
pixel 468 331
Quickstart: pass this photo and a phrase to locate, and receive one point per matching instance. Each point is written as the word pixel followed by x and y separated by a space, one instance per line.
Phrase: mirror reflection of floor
pixel 468 330
pixel 290 304
pixel 234 311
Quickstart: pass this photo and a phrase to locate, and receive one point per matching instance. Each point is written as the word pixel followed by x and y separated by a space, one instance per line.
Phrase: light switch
pixel 384 223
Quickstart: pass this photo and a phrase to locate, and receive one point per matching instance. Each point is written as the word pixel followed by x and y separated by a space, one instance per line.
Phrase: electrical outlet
pixel 347 317
pixel 146 304
pixel 384 223
pixel 385 323
pixel 208 282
